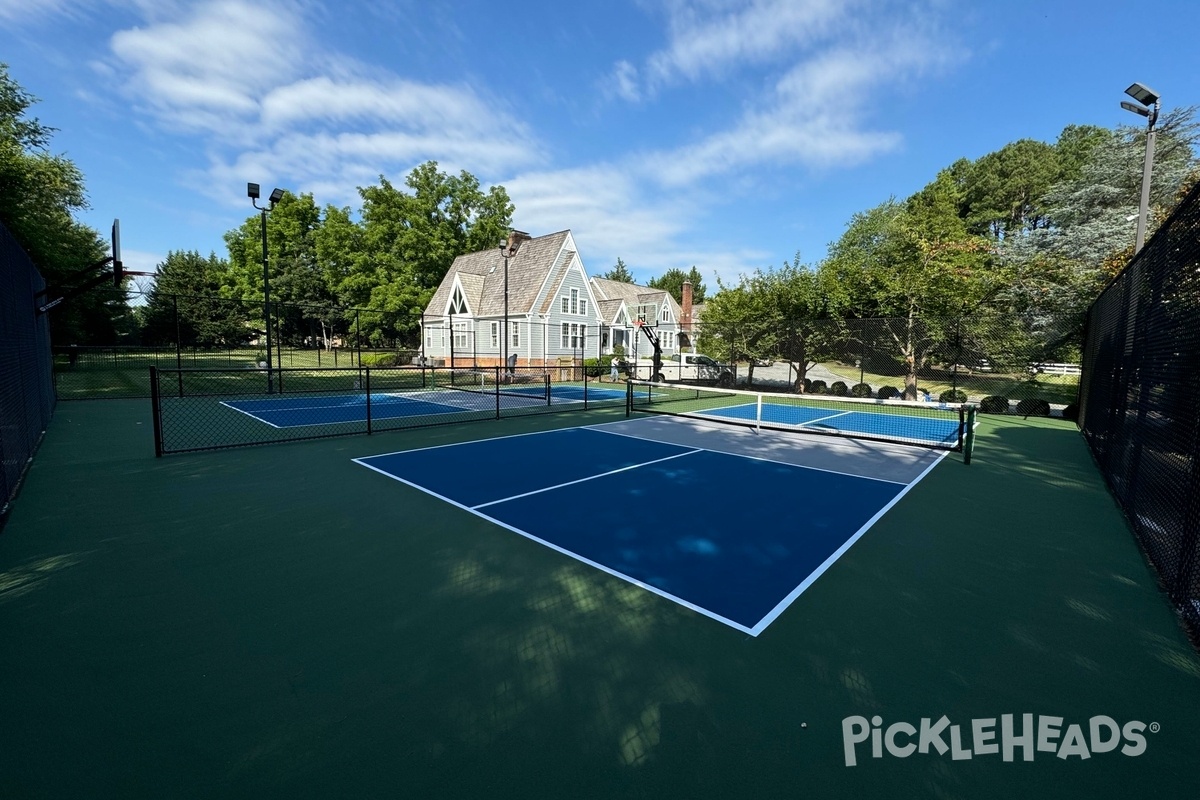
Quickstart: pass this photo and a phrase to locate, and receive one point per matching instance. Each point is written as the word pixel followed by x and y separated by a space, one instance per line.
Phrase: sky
pixel 729 135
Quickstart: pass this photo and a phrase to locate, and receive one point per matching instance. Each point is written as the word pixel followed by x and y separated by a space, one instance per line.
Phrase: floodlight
pixel 276 196
pixel 1143 94
pixel 1135 108
pixel 252 191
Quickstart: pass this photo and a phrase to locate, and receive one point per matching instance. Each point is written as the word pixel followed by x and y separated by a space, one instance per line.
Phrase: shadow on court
pixel 278 622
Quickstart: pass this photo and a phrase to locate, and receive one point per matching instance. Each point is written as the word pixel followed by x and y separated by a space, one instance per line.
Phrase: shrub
pixel 839 389
pixel 381 360
pixel 1071 412
pixel 861 390
pixel 1031 407
pixel 994 404
pixel 952 396
pixel 888 392
pixel 818 387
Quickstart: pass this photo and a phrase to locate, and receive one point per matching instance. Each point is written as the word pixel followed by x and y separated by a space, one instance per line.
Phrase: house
pixel 552 311
pixel 622 303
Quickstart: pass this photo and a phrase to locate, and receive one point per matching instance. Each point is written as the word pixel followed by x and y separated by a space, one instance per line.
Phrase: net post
pixel 968 433
pixel 367 387
pixel 546 385
pixel 497 389
pixel 758 413
pixel 628 399
pixel 156 412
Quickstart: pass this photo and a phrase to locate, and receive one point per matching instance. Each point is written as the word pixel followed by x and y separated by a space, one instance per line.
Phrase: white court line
pixel 598 428
pixel 582 559
pixel 589 478
pixel 251 416
pixel 449 410
pixel 829 562
pixel 822 419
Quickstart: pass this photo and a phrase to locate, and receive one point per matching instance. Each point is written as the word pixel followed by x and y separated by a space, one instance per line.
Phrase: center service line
pixel 581 480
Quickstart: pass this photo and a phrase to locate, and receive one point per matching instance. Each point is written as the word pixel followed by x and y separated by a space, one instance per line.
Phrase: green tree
pixel 789 313
pixel 672 281
pixel 184 306
pixel 410 240
pixel 917 263
pixel 619 272
pixel 1003 191
pixel 40 193
pixel 1063 266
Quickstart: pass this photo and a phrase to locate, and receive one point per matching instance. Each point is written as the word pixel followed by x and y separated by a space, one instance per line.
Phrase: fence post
pixel 357 337
pixel 497 369
pixel 957 356
pixel 155 413
pixel 367 386
pixel 862 351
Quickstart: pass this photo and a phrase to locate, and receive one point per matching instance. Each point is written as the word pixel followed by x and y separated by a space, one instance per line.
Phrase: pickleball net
pixel 941 426
pixel 533 386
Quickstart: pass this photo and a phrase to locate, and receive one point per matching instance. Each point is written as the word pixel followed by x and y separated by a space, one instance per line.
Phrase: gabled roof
pixel 634 295
pixel 609 309
pixel 482 277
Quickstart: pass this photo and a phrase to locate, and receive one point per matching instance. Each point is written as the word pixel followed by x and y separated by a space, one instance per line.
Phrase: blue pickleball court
pixel 727 523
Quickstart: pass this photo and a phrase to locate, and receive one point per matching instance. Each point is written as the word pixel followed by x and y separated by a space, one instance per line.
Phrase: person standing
pixel 612 374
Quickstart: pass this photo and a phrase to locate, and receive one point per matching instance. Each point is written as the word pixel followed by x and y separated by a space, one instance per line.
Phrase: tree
pixel 184 307
pixel 787 313
pixel 620 272
pixel 1090 235
pixel 1004 190
pixel 410 240
pixel 917 263
pixel 41 192
pixel 672 281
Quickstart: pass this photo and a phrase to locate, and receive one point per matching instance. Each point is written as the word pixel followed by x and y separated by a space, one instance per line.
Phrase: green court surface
pixel 279 622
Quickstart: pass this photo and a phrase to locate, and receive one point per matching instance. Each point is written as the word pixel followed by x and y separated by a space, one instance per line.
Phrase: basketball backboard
pixel 117 265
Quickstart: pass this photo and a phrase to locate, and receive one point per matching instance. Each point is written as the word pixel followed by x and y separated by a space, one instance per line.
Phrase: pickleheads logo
pixel 982 737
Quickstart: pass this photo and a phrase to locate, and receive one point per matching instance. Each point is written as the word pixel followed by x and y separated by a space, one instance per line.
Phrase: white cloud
pixel 608 211
pixel 269 101
pixel 211 68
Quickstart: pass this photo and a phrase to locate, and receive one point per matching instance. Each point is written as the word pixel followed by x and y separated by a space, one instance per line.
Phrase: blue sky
pixel 717 133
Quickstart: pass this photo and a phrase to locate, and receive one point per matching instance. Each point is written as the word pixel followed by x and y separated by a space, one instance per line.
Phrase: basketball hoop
pixel 637 323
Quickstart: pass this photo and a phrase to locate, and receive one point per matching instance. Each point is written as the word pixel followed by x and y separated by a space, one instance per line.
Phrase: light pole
pixel 276 196
pixel 506 253
pixel 1148 104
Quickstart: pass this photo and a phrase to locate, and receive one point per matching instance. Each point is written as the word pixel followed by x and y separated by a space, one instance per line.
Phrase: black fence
pixel 209 409
pixel 26 384
pixel 1140 401
pixel 1007 363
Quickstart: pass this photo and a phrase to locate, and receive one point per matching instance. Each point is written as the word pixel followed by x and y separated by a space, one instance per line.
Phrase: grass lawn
pixel 1051 388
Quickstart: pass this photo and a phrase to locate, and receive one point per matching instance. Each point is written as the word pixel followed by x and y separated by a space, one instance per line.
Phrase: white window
pixel 514 337
pixel 565 305
pixel 462 336
pixel 429 337
pixel 583 306
pixel 574 301
pixel 573 335
pixel 495 330
pixel 668 340
pixel 665 316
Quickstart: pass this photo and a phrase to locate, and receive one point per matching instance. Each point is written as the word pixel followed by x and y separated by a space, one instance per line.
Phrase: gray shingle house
pixel 552 310
pixel 555 311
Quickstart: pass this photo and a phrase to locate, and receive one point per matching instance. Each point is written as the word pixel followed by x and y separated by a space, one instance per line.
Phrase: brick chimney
pixel 685 322
pixel 515 238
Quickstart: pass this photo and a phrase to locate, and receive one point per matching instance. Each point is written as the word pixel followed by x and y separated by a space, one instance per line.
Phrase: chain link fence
pixel 1007 363
pixel 1140 401
pixel 208 409
pixel 26 386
